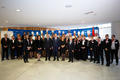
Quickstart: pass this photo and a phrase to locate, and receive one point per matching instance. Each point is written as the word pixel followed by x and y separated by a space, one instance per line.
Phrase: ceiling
pixel 58 12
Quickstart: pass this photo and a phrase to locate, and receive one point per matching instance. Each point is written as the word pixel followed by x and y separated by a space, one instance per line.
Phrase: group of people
pixel 78 47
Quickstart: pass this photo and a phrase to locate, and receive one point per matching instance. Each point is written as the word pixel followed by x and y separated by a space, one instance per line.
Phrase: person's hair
pixel 106 35
pixel 113 35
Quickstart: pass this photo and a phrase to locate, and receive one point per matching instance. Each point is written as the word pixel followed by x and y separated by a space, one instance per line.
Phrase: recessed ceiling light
pixel 68 4
pixel 90 12
pixel 18 10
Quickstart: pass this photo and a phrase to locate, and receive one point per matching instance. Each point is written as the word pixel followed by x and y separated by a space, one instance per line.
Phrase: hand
pixel 83 47
pixel 72 50
pixel 58 47
pixel 91 49
pixel 106 49
pixel 13 47
pixel 67 50
pixel 5 46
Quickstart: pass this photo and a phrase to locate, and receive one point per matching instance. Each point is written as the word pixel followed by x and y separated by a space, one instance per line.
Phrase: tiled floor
pixel 57 70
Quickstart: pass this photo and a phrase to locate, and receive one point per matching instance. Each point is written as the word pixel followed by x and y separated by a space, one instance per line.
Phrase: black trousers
pixel 48 54
pixel 100 56
pixel 55 54
pixel 91 55
pixel 107 55
pixel 84 54
pixel 19 52
pixel 114 53
pixel 70 56
pixel 12 53
pixel 5 53
pixel 25 57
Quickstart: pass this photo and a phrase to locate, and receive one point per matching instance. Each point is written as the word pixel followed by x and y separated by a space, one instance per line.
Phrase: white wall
pixel 116 31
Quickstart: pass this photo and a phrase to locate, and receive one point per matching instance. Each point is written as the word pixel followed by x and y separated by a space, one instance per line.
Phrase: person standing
pixel 62 43
pixel 93 49
pixel 100 55
pixel 19 45
pixel 83 46
pixel 48 46
pixel 5 46
pixel 56 47
pixel 71 49
pixel 12 47
pixel 114 49
pixel 107 49
pixel 39 48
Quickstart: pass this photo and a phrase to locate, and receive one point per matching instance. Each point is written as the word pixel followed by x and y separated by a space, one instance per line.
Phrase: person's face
pixel 106 36
pixel 70 38
pixel 24 33
pixel 27 36
pixel 38 37
pixel 27 33
pixel 62 37
pixel 13 37
pixel 55 35
pixel 35 38
pixel 18 35
pixel 47 36
pixel 6 35
pixel 113 37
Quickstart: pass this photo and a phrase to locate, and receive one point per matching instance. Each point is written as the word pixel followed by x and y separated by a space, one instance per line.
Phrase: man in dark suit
pixel 26 48
pixel 93 49
pixel 83 46
pixel 56 47
pixel 5 44
pixel 114 49
pixel 70 49
pixel 12 47
pixel 100 51
pixel 107 49
pixel 48 46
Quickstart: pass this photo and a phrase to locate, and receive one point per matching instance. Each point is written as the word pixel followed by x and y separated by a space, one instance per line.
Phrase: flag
pixel 93 32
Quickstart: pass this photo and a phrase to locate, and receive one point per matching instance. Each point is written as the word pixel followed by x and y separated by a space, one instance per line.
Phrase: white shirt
pixel 113 45
pixel 83 42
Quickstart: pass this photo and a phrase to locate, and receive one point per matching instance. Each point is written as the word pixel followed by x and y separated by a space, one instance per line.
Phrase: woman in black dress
pixel 63 48
pixel 39 48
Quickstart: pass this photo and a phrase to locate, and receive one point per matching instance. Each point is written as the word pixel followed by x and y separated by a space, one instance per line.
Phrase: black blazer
pixel 12 44
pixel 18 43
pixel 5 43
pixel 93 44
pixel 116 44
pixel 48 43
pixel 107 45
pixel 70 46
pixel 39 43
pixel 85 44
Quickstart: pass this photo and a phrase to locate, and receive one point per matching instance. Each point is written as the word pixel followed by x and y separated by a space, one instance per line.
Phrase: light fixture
pixel 18 10
pixel 68 4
